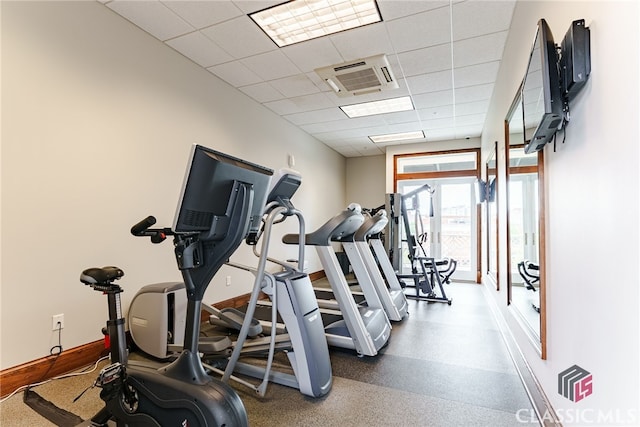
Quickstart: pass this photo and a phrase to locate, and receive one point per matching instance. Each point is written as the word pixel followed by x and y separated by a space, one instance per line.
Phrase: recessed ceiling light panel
pixel 397 137
pixel 384 106
pixel 300 20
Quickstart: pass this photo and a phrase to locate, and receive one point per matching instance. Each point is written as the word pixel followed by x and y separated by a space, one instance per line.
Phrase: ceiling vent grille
pixel 367 75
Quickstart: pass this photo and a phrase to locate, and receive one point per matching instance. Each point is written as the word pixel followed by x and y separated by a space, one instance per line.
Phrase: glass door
pixel 451 231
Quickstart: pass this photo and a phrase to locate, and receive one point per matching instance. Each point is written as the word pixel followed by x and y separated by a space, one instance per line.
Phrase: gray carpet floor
pixel 444 366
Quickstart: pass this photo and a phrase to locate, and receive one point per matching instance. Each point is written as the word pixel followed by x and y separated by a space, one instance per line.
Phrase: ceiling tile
pixel 427 60
pixel 153 17
pixel 439 123
pixel 282 107
pixel 468 131
pixel 293 86
pixel 487 17
pixel 400 117
pixel 271 65
pixel 202 13
pixel 363 42
pixel 433 99
pixel 359 122
pixel 318 120
pixel 391 10
pixel 262 92
pixel 250 6
pixel 332 136
pixel 199 49
pixel 477 107
pixel 436 112
pixel 311 128
pixel 476 74
pixel 313 54
pixel 316 101
pixel 474 93
pixel 419 31
pixel 432 82
pixel 479 49
pixel 439 134
pixel 361 133
pixel 469 120
pixel 369 149
pixel 235 73
pixel 240 37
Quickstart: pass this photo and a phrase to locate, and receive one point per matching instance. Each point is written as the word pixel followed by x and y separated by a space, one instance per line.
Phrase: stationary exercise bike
pixel 530 273
pixel 221 203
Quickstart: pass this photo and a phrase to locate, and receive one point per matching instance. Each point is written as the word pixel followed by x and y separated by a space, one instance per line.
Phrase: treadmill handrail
pixel 340 227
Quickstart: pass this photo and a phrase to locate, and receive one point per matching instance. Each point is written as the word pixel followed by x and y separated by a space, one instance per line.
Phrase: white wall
pixel 592 213
pixel 97 121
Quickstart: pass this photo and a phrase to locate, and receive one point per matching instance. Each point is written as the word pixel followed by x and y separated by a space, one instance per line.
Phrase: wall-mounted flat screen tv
pixel 542 100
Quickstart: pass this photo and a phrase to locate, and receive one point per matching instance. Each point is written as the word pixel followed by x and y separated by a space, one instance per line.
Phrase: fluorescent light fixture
pixel 395 137
pixel 378 107
pixel 300 20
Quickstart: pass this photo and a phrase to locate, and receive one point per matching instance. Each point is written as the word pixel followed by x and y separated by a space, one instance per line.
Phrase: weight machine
pixel 426 271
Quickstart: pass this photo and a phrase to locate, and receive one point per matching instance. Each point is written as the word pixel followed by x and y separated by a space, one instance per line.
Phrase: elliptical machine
pixel 300 332
pixel 221 203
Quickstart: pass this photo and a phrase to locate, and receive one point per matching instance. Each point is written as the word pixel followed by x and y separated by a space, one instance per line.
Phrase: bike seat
pixel 104 275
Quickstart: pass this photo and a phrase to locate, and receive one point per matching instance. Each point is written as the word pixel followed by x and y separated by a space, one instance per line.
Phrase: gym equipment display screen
pixel 207 190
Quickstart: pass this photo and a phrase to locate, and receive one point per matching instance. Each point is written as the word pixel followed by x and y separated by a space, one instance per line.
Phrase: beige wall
pixel 365 181
pixel 97 121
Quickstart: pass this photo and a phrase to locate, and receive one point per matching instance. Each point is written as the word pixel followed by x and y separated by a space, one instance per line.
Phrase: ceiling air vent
pixel 366 75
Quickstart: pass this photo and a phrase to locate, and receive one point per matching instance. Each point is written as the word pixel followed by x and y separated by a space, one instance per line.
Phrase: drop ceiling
pixel 444 54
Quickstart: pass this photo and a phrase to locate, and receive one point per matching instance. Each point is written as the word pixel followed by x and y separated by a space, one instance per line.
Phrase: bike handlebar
pixel 157 235
pixel 142 226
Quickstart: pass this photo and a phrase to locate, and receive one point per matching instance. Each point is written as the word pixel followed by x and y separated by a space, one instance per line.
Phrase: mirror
pixel 492 217
pixel 525 230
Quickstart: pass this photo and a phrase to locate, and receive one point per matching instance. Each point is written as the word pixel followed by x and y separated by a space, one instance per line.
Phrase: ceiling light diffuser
pixel 395 137
pixel 300 20
pixel 378 107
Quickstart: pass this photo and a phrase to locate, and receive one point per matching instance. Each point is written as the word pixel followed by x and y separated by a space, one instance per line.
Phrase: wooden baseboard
pixel 48 367
pixel 317 275
pixel 75 358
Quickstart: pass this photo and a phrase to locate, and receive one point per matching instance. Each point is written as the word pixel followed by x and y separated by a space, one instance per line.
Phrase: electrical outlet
pixel 55 319
pixel 228 280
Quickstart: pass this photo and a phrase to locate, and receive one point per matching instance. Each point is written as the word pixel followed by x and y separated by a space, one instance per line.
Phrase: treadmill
pixel 392 297
pixel 367 273
pixel 363 328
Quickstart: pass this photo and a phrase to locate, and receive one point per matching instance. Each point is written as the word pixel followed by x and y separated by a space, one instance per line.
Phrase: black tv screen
pixel 206 193
pixel 542 101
